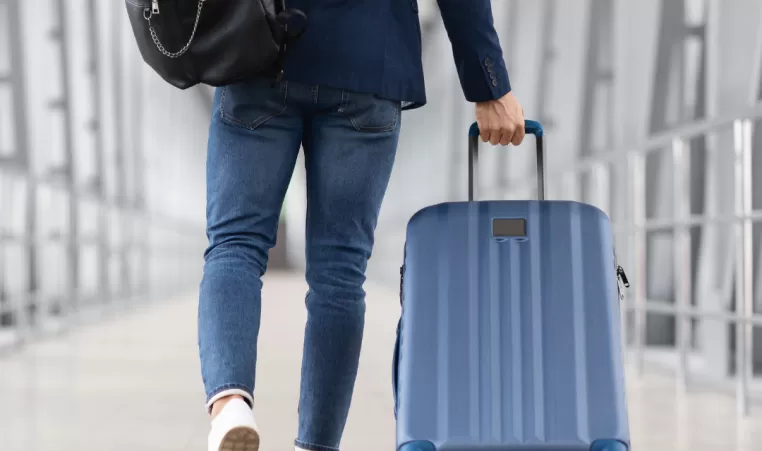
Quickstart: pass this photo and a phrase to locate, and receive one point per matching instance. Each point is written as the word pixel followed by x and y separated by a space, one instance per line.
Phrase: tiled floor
pixel 133 384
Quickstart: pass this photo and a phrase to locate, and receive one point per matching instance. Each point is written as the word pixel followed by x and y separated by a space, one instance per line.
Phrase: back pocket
pixel 369 113
pixel 252 103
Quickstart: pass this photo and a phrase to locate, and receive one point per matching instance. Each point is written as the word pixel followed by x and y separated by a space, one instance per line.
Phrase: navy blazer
pixel 374 46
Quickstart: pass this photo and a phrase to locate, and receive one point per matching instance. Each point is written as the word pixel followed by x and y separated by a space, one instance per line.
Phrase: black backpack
pixel 213 42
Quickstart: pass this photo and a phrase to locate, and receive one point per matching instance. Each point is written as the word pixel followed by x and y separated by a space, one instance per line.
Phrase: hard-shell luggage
pixel 509 338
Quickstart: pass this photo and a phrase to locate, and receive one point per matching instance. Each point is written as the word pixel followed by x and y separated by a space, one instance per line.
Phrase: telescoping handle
pixel 532 128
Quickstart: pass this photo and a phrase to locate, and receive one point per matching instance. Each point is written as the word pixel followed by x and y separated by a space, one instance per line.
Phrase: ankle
pixel 222 402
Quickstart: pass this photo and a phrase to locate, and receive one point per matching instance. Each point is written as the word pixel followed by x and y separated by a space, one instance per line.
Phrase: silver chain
pixel 156 41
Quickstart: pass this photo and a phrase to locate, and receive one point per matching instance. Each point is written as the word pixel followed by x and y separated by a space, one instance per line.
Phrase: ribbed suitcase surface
pixel 510 343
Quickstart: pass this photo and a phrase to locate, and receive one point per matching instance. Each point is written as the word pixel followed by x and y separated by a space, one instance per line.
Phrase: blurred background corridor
pixel 653 113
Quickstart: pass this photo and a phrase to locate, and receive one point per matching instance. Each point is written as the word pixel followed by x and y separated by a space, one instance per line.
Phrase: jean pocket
pixel 369 113
pixel 252 103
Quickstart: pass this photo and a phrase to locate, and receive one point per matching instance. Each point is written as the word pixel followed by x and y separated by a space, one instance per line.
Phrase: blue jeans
pixel 349 142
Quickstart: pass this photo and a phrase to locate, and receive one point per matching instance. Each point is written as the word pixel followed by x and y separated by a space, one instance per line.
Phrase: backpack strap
pixel 292 23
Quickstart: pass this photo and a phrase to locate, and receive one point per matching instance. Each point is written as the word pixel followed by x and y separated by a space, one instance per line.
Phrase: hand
pixel 501 121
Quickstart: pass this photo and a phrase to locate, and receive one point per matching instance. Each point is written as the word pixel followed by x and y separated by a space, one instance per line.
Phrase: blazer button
pixel 494 82
pixel 488 62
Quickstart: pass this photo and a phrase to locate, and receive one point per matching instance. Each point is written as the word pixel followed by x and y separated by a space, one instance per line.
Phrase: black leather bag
pixel 213 42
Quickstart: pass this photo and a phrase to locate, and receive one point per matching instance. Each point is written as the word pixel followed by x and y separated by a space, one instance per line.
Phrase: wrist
pixel 496 99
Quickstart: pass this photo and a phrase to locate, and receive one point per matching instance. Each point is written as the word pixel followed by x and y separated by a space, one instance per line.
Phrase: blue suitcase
pixel 509 338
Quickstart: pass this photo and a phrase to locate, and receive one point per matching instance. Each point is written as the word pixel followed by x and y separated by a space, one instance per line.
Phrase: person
pixel 344 86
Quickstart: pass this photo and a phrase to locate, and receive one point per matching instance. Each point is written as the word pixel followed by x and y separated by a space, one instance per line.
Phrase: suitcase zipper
pixel 621 278
pixel 402 281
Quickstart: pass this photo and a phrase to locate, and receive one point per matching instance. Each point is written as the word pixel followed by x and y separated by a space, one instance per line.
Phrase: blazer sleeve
pixel 476 48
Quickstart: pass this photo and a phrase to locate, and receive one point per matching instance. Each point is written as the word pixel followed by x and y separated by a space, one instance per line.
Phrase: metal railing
pixel 68 246
pixel 636 225
pixel 152 257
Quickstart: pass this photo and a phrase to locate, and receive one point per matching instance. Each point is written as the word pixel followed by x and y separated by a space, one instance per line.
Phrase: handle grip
pixel 532 128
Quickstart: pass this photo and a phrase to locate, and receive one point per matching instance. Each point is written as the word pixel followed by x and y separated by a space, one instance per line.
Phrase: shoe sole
pixel 240 439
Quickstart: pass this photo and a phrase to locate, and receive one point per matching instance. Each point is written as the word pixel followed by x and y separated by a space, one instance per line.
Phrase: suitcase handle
pixel 532 128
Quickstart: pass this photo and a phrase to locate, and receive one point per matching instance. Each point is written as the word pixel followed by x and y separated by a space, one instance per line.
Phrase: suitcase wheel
pixel 608 445
pixel 418 445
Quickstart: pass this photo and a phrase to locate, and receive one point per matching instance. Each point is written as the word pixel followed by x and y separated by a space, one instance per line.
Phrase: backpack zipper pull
pixel 155 7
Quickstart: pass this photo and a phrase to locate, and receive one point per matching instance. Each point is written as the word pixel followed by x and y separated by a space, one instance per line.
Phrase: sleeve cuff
pixel 488 81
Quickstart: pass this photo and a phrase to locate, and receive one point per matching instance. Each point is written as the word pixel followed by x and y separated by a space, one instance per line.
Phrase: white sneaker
pixel 234 428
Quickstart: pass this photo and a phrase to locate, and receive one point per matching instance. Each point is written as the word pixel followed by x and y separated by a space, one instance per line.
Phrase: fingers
pixel 519 135
pixel 505 139
pixel 501 122
pixel 491 134
pixel 495 137
pixel 509 134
